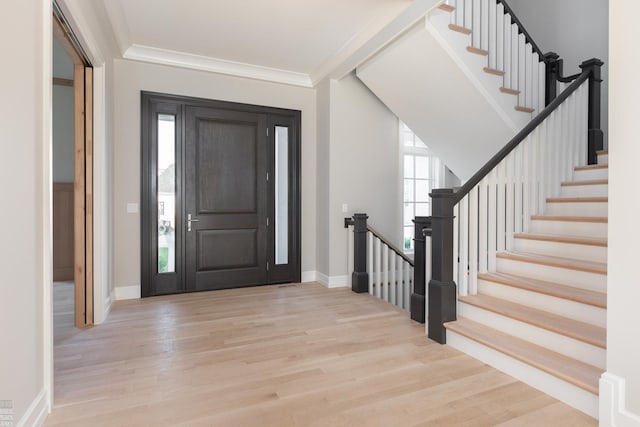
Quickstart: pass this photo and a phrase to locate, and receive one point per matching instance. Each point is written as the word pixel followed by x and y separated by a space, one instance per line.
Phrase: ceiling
pixel 62 65
pixel 294 41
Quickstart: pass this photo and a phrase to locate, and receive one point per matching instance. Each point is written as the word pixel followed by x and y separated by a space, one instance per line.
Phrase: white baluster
pixel 528 73
pixel 392 278
pixel 370 269
pixel 476 26
pixel 491 218
pixel 510 208
pixel 427 273
pixel 517 187
pixel 473 241
pixel 535 81
pixel 408 273
pixel 499 56
pixel 349 254
pixel 514 56
pixel 493 33
pixel 522 80
pixel 529 154
pixel 467 19
pixel 385 272
pixel 541 84
pixel 463 269
pixel 482 225
pixel 459 12
pixel 485 26
pixel 456 241
pixel 378 261
pixel 500 218
pixel 507 51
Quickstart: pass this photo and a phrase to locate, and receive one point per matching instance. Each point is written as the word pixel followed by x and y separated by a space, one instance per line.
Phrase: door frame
pixel 83 172
pixel 149 169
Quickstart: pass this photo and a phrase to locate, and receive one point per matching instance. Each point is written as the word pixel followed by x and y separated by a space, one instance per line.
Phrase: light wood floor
pixel 293 355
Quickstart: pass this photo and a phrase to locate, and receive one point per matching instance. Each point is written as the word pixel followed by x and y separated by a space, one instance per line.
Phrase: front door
pixel 220 195
pixel 226 198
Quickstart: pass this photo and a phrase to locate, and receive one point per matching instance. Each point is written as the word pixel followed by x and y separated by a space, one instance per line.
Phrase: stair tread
pixel 477 51
pixel 524 109
pixel 590 241
pixel 509 91
pixel 598 199
pixel 446 7
pixel 554 261
pixel 581 331
pixel 493 71
pixel 584 296
pixel 573 371
pixel 602 152
pixel 585 182
pixel 599 219
pixel 459 29
pixel 589 167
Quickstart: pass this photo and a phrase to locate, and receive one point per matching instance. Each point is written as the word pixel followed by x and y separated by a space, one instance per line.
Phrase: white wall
pixel 358 157
pixel 623 293
pixel 25 251
pixel 63 134
pixel 133 77
pixel 575 29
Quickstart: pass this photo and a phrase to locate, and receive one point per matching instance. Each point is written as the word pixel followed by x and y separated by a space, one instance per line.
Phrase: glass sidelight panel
pixel 282 194
pixel 166 193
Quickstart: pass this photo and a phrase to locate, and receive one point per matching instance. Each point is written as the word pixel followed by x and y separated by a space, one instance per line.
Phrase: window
pixel 422 172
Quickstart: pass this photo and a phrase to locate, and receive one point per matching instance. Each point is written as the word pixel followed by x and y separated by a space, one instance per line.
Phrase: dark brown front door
pixel 220 203
pixel 226 198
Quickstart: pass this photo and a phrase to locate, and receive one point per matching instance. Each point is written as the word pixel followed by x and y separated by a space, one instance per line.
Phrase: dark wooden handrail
pixel 390 245
pixel 522 30
pixel 520 136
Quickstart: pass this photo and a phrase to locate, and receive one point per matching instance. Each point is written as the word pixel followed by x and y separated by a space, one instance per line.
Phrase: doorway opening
pixel 220 203
pixel 72 181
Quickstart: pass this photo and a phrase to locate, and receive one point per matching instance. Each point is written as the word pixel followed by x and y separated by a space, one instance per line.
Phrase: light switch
pixel 345 208
pixel 132 208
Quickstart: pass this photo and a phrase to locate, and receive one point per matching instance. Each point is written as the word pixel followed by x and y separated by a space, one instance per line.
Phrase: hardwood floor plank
pixel 275 356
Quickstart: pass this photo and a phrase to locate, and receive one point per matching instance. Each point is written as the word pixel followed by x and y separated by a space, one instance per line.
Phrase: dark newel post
pixel 419 279
pixel 442 288
pixel 553 71
pixel 360 277
pixel 595 135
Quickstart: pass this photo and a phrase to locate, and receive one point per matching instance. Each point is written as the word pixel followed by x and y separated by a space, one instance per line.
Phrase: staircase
pixel 540 316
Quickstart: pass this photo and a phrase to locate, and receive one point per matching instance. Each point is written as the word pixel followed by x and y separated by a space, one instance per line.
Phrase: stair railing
pixel 474 222
pixel 378 266
pixel 511 52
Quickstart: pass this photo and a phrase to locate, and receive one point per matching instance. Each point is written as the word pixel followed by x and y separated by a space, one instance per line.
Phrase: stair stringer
pixel 422 81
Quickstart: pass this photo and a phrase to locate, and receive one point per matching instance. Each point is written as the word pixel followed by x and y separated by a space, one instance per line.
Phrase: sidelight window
pixel 166 193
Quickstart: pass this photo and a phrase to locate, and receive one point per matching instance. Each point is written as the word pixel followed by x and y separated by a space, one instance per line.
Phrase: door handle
pixel 189 221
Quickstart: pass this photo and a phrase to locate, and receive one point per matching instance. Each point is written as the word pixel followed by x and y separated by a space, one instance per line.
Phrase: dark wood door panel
pixel 226 156
pixel 226 196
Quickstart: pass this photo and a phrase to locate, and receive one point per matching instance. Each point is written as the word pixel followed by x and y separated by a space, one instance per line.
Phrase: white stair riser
pixel 600 190
pixel 583 175
pixel 563 276
pixel 570 347
pixel 574 310
pixel 540 380
pixel 603 159
pixel 564 250
pixel 577 209
pixel 569 228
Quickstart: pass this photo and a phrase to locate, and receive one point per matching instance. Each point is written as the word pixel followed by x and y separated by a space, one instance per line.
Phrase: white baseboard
pixel 332 281
pixel 127 292
pixel 309 276
pixel 37 412
pixel 613 412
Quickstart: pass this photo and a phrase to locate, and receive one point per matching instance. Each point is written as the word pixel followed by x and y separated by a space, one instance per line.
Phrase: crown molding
pixel 215 65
